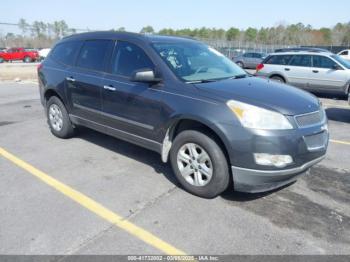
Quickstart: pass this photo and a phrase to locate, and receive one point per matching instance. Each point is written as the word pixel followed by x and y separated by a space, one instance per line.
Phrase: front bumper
pixel 254 181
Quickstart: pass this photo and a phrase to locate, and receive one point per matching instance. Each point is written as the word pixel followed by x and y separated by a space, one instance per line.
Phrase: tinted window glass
pixel 248 55
pixel 301 60
pixel 93 53
pixel 342 61
pixel 129 58
pixel 323 62
pixel 278 60
pixel 65 52
pixel 344 53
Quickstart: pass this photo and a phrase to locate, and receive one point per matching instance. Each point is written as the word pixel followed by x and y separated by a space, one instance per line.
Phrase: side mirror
pixel 145 76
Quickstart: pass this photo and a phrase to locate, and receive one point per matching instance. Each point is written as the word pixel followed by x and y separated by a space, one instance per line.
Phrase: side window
pixel 65 52
pixel 278 60
pixel 301 60
pixel 248 55
pixel 323 62
pixel 344 53
pixel 128 58
pixel 93 53
pixel 257 55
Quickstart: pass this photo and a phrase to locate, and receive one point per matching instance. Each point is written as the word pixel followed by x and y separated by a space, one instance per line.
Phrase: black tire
pixel 277 79
pixel 240 64
pixel 220 176
pixel 27 59
pixel 67 129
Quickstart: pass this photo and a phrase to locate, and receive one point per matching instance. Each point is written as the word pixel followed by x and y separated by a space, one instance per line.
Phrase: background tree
pixel 251 34
pixel 147 30
pixel 23 26
pixel 232 34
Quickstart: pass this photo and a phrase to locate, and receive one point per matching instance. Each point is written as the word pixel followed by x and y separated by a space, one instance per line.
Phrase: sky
pixel 176 14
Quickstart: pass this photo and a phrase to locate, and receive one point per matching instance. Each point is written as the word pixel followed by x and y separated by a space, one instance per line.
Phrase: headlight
pixel 258 118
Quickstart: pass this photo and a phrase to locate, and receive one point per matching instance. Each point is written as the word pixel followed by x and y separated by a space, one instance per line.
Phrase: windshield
pixel 193 62
pixel 342 61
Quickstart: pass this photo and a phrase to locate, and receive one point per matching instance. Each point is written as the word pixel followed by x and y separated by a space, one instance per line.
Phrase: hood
pixel 261 92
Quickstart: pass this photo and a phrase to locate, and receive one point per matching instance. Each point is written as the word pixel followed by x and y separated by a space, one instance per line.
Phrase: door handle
pixel 315 71
pixel 70 79
pixel 287 69
pixel 109 88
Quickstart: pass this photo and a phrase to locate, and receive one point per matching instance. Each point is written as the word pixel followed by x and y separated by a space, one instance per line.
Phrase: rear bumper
pixel 254 181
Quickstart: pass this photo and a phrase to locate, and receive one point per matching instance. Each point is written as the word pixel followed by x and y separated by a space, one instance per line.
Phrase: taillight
pixel 259 67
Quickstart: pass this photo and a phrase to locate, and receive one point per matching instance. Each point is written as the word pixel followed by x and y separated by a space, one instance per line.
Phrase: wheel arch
pixel 278 75
pixel 52 92
pixel 179 124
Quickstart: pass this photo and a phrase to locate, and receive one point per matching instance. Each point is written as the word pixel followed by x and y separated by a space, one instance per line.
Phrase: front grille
pixel 310 119
pixel 318 141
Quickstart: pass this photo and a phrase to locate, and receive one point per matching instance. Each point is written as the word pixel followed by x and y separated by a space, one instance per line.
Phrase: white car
pixel 345 54
pixel 44 52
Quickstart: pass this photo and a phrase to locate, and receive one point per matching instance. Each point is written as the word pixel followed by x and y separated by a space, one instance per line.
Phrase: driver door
pixel 327 75
pixel 132 107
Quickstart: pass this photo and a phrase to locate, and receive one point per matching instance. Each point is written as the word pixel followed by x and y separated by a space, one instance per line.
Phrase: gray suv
pixel 217 125
pixel 310 70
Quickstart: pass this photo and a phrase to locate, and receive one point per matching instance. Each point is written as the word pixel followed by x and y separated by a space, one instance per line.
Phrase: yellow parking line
pixel 339 142
pixel 95 207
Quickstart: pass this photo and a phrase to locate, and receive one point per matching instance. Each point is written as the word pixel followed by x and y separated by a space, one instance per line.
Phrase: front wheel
pixel 199 164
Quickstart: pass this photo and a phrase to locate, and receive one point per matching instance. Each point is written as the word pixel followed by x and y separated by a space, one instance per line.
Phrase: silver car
pixel 249 59
pixel 313 71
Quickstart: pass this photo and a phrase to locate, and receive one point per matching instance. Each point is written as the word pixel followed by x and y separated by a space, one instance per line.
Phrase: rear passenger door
pixel 84 80
pixel 327 75
pixel 132 107
pixel 298 70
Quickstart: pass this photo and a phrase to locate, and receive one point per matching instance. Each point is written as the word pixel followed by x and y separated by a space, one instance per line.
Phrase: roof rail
pixel 301 49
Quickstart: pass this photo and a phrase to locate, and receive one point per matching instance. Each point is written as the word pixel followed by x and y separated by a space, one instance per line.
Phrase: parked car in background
pixel 345 54
pixel 313 71
pixel 249 59
pixel 14 54
pixel 43 53
pixel 216 124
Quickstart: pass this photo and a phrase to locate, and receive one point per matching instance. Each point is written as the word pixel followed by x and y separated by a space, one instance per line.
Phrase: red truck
pixel 12 54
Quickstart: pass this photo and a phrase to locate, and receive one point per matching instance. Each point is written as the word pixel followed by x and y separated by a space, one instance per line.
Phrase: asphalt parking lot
pixel 94 194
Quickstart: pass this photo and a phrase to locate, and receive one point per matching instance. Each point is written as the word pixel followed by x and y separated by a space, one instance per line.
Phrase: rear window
pixel 65 52
pixel 93 54
pixel 278 59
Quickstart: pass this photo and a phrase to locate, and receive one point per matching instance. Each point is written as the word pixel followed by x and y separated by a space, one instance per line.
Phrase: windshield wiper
pixel 201 81
pixel 240 76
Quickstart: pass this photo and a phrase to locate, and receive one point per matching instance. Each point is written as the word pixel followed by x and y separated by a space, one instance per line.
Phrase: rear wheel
pixel 27 59
pixel 240 64
pixel 58 118
pixel 199 164
pixel 277 79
